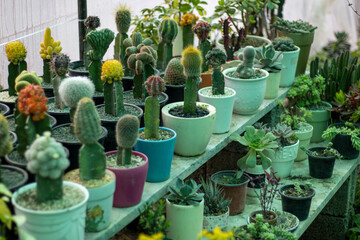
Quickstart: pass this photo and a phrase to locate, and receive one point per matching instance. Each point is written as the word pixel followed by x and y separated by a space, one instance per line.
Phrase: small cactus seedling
pixel 111 75
pixel 48 46
pixel 16 54
pixel 26 78
pixel 32 118
pixel 123 20
pixel 47 159
pixel 127 129
pixel 246 70
pixel 168 30
pixel 187 22
pixel 215 58
pixel 92 160
pixel 174 73
pixel 202 31
pixel 99 42
pixel 91 23
pixel 154 86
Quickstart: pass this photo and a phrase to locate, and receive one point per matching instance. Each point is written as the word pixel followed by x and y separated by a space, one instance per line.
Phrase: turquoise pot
pixel 160 155
pixel 289 62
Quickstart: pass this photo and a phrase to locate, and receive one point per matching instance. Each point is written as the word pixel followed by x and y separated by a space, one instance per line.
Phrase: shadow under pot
pixel 13 177
pixel 7 100
pixel 62 115
pixel 4 109
pixel 321 167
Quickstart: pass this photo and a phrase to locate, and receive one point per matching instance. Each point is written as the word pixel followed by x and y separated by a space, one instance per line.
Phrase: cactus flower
pixel 32 101
pixel 111 71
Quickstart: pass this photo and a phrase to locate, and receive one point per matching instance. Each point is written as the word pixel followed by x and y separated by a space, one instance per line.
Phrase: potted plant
pixel 192 121
pixel 296 199
pixel 168 31
pixel 302 33
pixel 184 210
pixel 347 105
pixel 175 80
pixel 123 21
pixel 270 60
pixel 187 21
pixel 345 139
pixel 92 173
pixel 290 53
pixel 152 218
pixel 157 143
pixel 49 203
pixel 130 167
pixel 248 82
pixel 287 221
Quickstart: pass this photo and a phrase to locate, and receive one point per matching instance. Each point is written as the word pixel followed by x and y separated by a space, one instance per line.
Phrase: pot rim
pixel 158 141
pixel 107 171
pixel 321 157
pixel 221 97
pixel 245 80
pixel 3 101
pixel 143 156
pixel 293 51
pixel 184 206
pixel 5 108
pixel 221 215
pixel 295 198
pixel 140 111
pixel 22 171
pixel 167 107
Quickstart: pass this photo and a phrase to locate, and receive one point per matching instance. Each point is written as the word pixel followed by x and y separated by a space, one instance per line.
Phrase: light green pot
pixel 304 136
pixel 272 85
pixel 319 120
pixel 289 62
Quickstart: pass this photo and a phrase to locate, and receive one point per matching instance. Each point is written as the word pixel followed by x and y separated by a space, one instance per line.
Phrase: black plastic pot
pixel 18 184
pixel 128 82
pixel 343 144
pixel 5 110
pixel 175 93
pixel 11 105
pixel 320 167
pixel 61 117
pixel 74 71
pixel 98 99
pixel 299 206
pixel 14 137
pixel 53 121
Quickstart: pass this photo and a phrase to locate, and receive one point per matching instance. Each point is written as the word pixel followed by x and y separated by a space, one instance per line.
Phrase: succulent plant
pixel 216 57
pixel 349 129
pixel 26 78
pixel 334 48
pixel 283 44
pixel 168 30
pixel 202 31
pixel 268 59
pixel 122 20
pixel 174 73
pixel 59 66
pixel 297 26
pixel 152 219
pixel 232 43
pixel 5 142
pixel 185 193
pixel 16 54
pixel 215 202
pixel 246 68
pixel 285 136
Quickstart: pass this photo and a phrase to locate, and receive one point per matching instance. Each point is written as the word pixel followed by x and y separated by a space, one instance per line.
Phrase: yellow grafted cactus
pixel 15 52
pixel 49 45
pixel 111 71
pixel 188 19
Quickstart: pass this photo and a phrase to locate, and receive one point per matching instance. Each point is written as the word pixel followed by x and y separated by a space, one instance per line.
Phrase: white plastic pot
pixel 304 137
pixel 210 222
pixel 284 160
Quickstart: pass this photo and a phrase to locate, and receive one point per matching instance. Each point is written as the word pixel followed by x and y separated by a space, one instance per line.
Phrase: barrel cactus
pixel 16 54
pixel 26 78
pixel 246 69
pixel 202 31
pixel 59 66
pixel 174 73
pixel 215 58
pixel 168 30
pixel 122 20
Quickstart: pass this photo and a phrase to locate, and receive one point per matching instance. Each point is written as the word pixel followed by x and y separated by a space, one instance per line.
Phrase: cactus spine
pixel 202 31
pixel 99 42
pixel 246 68
pixel 59 66
pixel 191 60
pixel 174 73
pixel 168 31
pixel 87 128
pixel 47 159
pixel 123 20
pixel 127 129
pixel 16 54
pixel 215 58
pixel 91 23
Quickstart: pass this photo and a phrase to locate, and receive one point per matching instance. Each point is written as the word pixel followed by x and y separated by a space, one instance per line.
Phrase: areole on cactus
pixel 16 54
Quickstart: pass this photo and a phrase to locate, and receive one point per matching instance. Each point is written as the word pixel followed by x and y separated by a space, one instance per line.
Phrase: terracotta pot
pixel 206 80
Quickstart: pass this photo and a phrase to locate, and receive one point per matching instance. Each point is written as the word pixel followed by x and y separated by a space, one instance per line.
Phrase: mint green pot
pixel 272 85
pixel 319 120
pixel 304 137
pixel 289 62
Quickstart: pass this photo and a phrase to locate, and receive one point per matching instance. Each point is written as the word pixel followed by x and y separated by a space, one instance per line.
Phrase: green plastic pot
pixel 319 120
pixel 289 62
pixel 272 85
pixel 304 135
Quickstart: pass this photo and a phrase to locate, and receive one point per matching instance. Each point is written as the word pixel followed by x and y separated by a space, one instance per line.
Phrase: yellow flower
pixel 15 52
pixel 217 234
pixel 111 71
pixel 157 236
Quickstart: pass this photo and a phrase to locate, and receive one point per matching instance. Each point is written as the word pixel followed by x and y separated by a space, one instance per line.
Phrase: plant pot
pixel 321 167
pixel 304 41
pixel 255 173
pixel 178 42
pixel 57 224
pixel 210 222
pixel 186 221
pixel 284 160
pixel 4 109
pixel 129 182
pixel 319 120
pixel 98 98
pixel 48 89
pixel 128 82
pixel 13 138
pixel 175 93
pixel 13 177
pixel 272 85
pixel 286 217
pixel 160 155
pixel 304 135
pixel 62 116
pixel 271 222
pixel 12 123
pixel 264 42
pixel 10 101
pixel 100 202
pixel 250 93
pixel 206 80
pixel 299 206
pixel 224 105
pixel 235 192
pixel 77 69
pixel 289 62
pixel 193 134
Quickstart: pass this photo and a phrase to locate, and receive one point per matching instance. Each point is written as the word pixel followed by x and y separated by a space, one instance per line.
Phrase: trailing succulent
pixel 215 58
pixel 268 59
pixel 185 193
pixel 215 202
pixel 168 30
pixel 283 44
pixel 349 129
pixel 122 20
pixel 16 54
pixel 174 73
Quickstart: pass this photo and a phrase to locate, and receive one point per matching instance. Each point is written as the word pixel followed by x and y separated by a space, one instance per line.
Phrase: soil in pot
pixel 62 115
pixel 163 135
pixel 287 221
pixel 179 112
pixel 321 164
pixel 135 161
pixel 11 121
pixel 13 177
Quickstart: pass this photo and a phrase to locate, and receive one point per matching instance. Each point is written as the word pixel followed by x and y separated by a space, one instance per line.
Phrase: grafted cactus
pixel 16 54
pixel 246 68
pixel 91 23
pixel 87 128
pixel 99 42
pixel 187 22
pixel 216 57
pixel 174 73
pixel 59 65
pixel 202 31
pixel 154 85
pixel 47 159
pixel 26 78
pixel 127 130
pixel 168 30
pixel 123 20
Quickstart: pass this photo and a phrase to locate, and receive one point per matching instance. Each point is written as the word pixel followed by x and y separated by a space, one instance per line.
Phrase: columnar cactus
pixel 59 66
pixel 174 73
pixel 48 46
pixel 47 159
pixel 87 128
pixel 26 78
pixel 202 31
pixel 5 142
pixel 215 58
pixel 91 23
pixel 123 20
pixel 154 85
pixel 32 118
pixel 16 54
pixel 127 130
pixel 246 68
pixel 99 42
pixel 191 60
pixel 168 30
pixel 187 21
pixel 111 75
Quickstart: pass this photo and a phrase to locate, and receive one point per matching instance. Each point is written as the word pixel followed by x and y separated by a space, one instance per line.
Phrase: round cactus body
pixel 191 60
pixel 123 19
pixel 174 73
pixel 127 129
pixel 92 22
pixel 136 38
pixel 168 30
pixel 246 68
pixel 26 78
pixel 202 30
pixel 72 89
pixel 5 142
pixel 155 85
pixel 59 64
pixel 15 52
pixel 111 71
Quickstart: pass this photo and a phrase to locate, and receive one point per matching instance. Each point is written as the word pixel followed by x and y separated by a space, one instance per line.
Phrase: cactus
pixel 127 129
pixel 32 118
pixel 233 43
pixel 187 21
pixel 47 159
pixel 154 85
pixel 202 31
pixel 16 54
pixel 246 68
pixel 99 41
pixel 5 142
pixel 24 79
pixel 123 20
pixel 168 31
pixel 215 58
pixel 48 46
pixel 59 65
pixel 91 23
pixel 191 60
pixel 87 128
pixel 111 75
pixel 283 44
pixel 174 73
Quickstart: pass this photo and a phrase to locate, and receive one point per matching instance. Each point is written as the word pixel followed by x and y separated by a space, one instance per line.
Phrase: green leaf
pixel 4 190
pixel 5 214
pixel 251 160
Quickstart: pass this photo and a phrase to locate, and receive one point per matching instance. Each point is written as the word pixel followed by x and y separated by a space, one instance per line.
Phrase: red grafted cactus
pixel 155 85
pixel 202 30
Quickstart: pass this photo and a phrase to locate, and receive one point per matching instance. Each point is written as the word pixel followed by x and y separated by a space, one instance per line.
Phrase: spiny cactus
pixel 47 159
pixel 127 129
pixel 202 31
pixel 16 54
pixel 111 75
pixel 246 68
pixel 174 73
pixel 87 128
pixel 216 57
pixel 99 42
pixel 91 23
pixel 59 65
pixel 168 30
pixel 26 78
pixel 154 85
pixel 123 20
pixel 48 46
pixel 5 142
pixel 187 21
pixel 283 44
pixel 191 60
